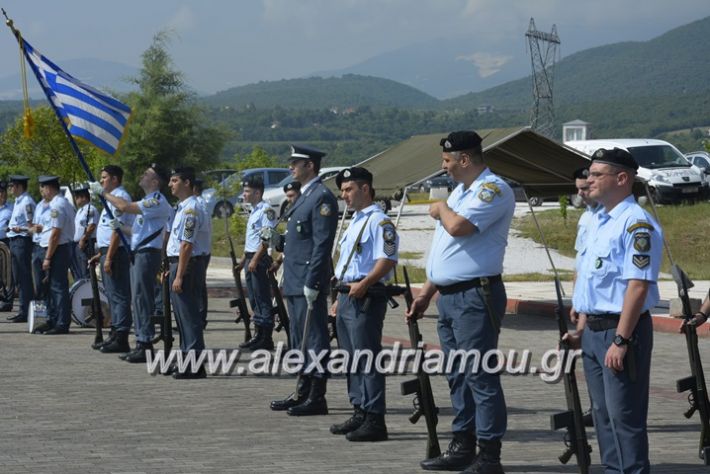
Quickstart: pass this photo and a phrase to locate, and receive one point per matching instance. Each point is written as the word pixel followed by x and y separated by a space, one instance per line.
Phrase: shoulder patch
pixel 642 241
pixel 639 225
pixel 389 235
pixel 488 192
pixel 641 261
pixel 270 214
pixel 54 213
pixel 325 209
pixel 386 222
pixel 190 212
pixel 152 202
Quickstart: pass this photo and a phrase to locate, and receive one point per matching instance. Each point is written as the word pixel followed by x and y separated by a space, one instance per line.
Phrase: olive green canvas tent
pixel 542 166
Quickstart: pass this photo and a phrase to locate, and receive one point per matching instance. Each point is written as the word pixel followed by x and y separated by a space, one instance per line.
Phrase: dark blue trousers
pixel 186 309
pixel 362 330
pixel 259 292
pixel 144 270
pixel 21 249
pixel 476 396
pixel 318 339
pixel 118 289
pixel 39 275
pixel 58 304
pixel 79 262
pixel 620 405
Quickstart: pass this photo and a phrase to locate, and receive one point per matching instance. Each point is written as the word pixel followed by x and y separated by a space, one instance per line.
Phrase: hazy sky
pixel 221 43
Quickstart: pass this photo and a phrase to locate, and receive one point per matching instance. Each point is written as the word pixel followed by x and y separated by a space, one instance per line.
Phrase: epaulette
pixel 639 225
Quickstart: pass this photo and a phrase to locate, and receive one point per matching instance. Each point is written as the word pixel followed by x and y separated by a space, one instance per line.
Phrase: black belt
pixel 15 237
pixel 177 259
pixel 249 254
pixel 602 322
pixel 466 285
pixel 148 250
pixel 104 250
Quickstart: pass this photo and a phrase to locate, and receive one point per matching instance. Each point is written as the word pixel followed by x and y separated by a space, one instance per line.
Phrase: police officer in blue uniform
pixel 465 265
pixel 56 240
pixel 616 288
pixel 204 238
pixel 85 221
pixel 368 255
pixel 182 246
pixel 38 274
pixel 115 260
pixel 310 232
pixel 8 287
pixel 21 243
pixel 146 244
pixel 591 207
pixel 257 262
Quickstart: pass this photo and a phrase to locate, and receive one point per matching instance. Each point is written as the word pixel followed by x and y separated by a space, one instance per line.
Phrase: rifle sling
pixel 352 251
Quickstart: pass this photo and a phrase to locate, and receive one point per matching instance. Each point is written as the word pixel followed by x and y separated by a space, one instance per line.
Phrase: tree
pixel 258 158
pixel 167 126
pixel 47 152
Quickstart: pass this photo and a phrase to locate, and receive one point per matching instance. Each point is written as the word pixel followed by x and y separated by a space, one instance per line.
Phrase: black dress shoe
pixel 460 454
pixel 99 345
pixel 139 355
pixel 6 307
pixel 18 318
pixel 315 404
pixel 351 424
pixel 373 429
pixel 54 331
pixel 119 344
pixel 200 374
pixel 42 328
pixel 296 398
pixel 10 318
pixel 588 419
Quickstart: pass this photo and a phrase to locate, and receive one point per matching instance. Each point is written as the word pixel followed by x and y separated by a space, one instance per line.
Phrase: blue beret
pixel 615 157
pixel 356 173
pixel 462 140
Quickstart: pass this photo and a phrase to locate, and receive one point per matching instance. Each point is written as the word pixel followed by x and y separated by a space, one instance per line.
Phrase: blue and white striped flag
pixel 90 114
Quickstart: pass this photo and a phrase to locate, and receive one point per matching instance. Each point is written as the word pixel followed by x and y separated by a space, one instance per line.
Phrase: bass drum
pixel 81 315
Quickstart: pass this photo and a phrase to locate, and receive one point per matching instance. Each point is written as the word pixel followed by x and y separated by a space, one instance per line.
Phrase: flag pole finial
pixel 8 21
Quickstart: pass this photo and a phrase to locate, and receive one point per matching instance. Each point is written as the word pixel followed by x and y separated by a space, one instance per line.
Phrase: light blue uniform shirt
pixel 85 215
pixel 5 216
pixel 59 216
pixel 155 211
pixel 22 214
pixel 204 233
pixel 379 240
pixel 262 215
pixel 41 209
pixel 488 204
pixel 627 246
pixel 187 220
pixel 103 231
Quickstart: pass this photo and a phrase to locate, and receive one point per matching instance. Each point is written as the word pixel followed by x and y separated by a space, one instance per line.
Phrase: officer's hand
pixel 275 265
pixel 240 264
pixel 177 284
pixel 573 315
pixel 419 305
pixel 252 265
pixel 82 242
pixel 107 266
pixel 573 340
pixel 94 260
pixel 333 311
pixel 614 358
pixel 96 188
pixel 436 208
pixel 357 290
pixel 114 224
pixel 46 263
pixel 311 295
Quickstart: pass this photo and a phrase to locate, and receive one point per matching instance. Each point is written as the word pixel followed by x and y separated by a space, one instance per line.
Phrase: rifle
pixel 278 307
pixel 695 383
pixel 421 386
pixel 387 291
pixel 573 418
pixel 240 302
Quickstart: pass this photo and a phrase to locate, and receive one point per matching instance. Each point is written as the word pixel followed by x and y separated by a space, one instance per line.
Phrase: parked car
pixel 701 162
pixel 441 181
pixel 276 197
pixel 225 197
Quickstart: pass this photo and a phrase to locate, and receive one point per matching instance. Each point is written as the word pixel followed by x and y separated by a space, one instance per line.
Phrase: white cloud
pixel 486 63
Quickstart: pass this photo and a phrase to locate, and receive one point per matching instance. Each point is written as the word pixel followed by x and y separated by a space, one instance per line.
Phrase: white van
pixel 669 175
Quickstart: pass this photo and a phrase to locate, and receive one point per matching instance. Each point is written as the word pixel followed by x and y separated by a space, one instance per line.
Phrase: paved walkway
pixel 65 408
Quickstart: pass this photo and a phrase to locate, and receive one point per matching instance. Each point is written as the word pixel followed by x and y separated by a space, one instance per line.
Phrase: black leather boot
pixel 588 419
pixel 459 455
pixel 315 404
pixel 138 356
pixel 373 429
pixel 265 342
pixel 255 339
pixel 119 344
pixel 488 460
pixel 351 424
pixel 108 340
pixel 299 396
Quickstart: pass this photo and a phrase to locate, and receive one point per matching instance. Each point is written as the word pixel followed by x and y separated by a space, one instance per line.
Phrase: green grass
pixel 565 275
pixel 685 228
pixel 416 274
pixel 220 243
pixel 420 198
pixel 410 255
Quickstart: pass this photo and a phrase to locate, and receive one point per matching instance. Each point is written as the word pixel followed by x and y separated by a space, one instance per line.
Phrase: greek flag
pixel 90 114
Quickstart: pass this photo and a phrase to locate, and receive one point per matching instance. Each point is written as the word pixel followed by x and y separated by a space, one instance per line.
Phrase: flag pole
pixel 72 142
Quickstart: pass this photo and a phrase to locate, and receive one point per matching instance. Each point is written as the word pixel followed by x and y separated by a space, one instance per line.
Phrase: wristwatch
pixel 620 340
